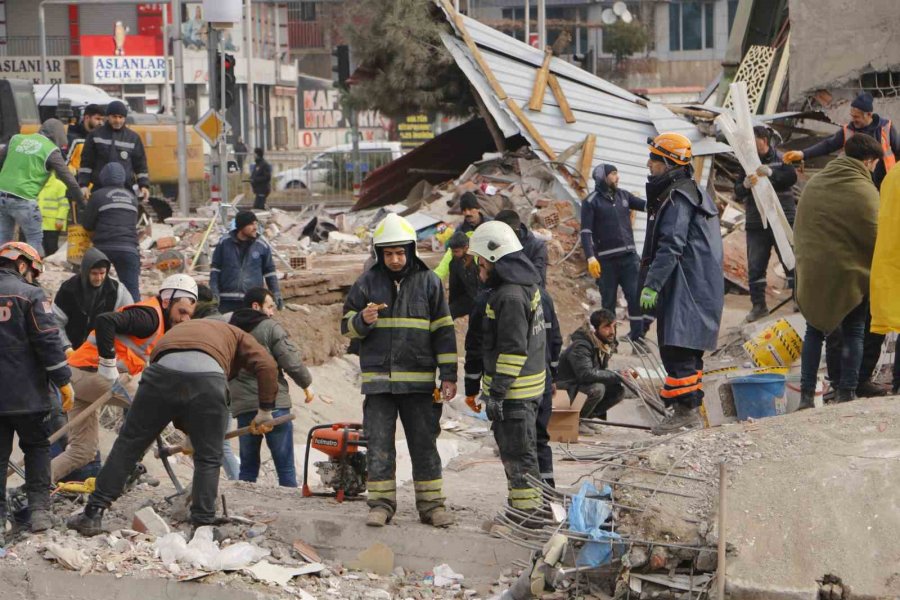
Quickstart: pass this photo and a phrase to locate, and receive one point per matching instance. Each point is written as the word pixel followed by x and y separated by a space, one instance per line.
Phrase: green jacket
pixel 53 203
pixel 25 171
pixel 274 338
pixel 834 240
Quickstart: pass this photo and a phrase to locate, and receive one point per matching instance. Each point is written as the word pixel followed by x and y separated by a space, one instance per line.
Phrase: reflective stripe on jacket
pixel 53 203
pixel 889 159
pixel 132 353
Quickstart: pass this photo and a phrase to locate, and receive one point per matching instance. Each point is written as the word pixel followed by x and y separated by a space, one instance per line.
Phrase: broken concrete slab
pixel 377 558
pixel 147 521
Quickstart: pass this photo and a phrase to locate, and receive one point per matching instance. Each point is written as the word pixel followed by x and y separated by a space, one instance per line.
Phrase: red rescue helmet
pixel 16 250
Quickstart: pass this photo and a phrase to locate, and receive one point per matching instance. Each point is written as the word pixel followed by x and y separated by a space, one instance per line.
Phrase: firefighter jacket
pixel 32 355
pixel 513 337
pixel 413 336
pixel 106 145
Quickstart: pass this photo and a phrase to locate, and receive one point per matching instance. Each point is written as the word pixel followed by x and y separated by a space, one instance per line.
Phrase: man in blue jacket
pixel 683 276
pixel 241 262
pixel 608 241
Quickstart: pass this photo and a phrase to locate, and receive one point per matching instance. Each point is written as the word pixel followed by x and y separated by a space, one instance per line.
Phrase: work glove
pixel 594 267
pixel 750 180
pixel 648 298
pixel 107 369
pixel 792 156
pixel 60 224
pixel 68 397
pixel 145 194
pixel 260 423
pixel 69 351
pixel 764 171
pixel 494 409
pixel 472 403
pixel 310 396
pixel 86 192
pixel 279 302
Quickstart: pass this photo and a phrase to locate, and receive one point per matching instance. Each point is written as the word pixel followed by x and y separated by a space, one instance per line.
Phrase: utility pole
pixel 251 95
pixel 184 200
pixel 542 24
pixel 528 22
pixel 167 89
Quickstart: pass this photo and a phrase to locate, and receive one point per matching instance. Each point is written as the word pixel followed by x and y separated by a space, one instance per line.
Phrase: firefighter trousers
pixel 421 418
pixel 517 439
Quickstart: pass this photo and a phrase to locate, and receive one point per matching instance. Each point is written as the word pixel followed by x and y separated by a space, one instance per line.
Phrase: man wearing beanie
pixel 472 219
pixel 242 261
pixel 608 241
pixel 862 120
pixel 114 142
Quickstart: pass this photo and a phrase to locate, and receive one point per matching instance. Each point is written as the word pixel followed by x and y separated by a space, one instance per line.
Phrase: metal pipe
pixel 167 89
pixel 42 27
pixel 251 96
pixel 542 24
pixel 528 22
pixel 184 200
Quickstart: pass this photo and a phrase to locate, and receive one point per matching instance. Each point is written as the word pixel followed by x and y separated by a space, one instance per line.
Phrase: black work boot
pixel 89 522
pixel 756 313
pixel 40 520
pixel 807 400
pixel 842 395
pixel 870 389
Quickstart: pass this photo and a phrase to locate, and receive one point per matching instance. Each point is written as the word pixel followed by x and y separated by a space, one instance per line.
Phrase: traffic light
pixel 230 82
pixel 340 64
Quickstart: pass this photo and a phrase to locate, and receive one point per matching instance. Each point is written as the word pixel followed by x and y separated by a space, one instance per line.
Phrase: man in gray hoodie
pixel 25 166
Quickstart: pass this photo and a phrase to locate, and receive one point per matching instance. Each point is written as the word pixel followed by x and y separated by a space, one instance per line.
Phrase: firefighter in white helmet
pixel 513 358
pixel 398 312
pixel 118 350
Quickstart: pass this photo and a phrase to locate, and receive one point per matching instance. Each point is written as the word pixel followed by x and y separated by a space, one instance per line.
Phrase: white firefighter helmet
pixel 394 230
pixel 179 283
pixel 494 240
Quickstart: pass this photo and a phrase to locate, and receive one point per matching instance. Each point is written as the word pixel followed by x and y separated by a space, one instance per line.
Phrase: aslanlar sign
pixel 128 69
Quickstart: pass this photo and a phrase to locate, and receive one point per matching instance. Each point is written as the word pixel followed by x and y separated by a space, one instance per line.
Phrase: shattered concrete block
pixel 377 558
pixel 147 521
pixel 164 243
pixel 658 558
pixel 707 561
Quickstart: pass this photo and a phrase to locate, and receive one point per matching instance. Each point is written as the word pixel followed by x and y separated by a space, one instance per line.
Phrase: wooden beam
pixel 569 152
pixel 780 75
pixel 587 156
pixel 557 90
pixel 473 48
pixel 540 84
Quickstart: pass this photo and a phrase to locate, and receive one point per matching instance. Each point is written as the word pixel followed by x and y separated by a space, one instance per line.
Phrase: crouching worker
pixel 583 366
pixel 186 384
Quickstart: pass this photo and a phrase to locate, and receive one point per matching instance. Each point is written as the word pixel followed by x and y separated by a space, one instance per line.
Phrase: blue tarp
pixel 587 515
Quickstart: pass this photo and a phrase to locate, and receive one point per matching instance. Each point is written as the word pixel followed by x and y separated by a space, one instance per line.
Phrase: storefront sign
pixel 415 130
pixel 128 69
pixel 29 67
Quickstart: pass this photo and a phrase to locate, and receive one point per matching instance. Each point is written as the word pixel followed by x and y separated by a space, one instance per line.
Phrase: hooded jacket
pixel 535 250
pixel 513 333
pixel 112 213
pixel 682 261
pixel 239 266
pixel 585 360
pixel 783 178
pixel 413 336
pixel 261 177
pixel 606 221
pixel 77 304
pixel 106 145
pixel 32 355
pixel 274 338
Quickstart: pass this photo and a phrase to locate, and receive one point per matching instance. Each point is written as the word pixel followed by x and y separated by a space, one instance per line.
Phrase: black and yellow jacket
pixel 513 336
pixel 413 336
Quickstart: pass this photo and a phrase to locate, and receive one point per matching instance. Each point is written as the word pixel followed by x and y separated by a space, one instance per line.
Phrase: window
pixel 301 11
pixel 732 11
pixel 691 25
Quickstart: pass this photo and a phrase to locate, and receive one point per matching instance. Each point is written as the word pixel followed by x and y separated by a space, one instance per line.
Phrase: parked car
pixel 333 169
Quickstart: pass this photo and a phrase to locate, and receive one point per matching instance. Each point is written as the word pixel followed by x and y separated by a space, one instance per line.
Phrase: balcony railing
pixel 30 45
pixel 306 34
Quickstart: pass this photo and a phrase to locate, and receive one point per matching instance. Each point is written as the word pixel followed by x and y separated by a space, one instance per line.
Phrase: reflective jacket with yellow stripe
pixel 412 337
pixel 514 343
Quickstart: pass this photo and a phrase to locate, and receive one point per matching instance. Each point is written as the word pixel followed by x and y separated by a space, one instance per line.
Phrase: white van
pixel 333 169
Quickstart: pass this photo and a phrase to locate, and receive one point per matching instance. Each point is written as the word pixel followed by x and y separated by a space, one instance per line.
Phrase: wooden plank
pixel 560 96
pixel 780 75
pixel 540 84
pixel 473 48
pixel 587 156
pixel 569 152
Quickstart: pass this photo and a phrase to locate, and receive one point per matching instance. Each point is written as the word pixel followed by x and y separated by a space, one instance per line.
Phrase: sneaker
pixel 437 517
pixel 40 520
pixel 88 522
pixel 378 517
pixel 682 418
pixel 870 389
pixel 756 313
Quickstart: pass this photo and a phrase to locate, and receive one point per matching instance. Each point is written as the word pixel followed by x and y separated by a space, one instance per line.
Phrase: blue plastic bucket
pixel 758 396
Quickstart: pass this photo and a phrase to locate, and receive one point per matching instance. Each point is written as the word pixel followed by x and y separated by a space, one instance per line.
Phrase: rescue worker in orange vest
pixel 118 350
pixel 862 120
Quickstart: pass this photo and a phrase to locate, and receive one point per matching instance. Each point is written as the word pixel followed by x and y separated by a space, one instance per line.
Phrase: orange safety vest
pixel 132 353
pixel 889 159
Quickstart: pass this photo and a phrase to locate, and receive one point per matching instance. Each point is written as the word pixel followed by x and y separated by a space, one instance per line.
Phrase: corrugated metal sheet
pixel 621 120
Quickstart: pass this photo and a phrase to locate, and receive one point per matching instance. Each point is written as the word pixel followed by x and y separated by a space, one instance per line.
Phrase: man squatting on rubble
pixel 514 358
pixel 398 312
pixel 682 276
pixel 31 360
pixel 608 241
pixel 186 383
pixel 114 355
pixel 256 319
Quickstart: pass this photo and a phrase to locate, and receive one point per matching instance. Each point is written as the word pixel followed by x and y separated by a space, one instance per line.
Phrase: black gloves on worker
pixel 494 409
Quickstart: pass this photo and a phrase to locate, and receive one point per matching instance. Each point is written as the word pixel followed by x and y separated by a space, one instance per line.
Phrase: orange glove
pixel 68 397
pixel 793 156
pixel 261 422
pixel 310 396
pixel 472 403
pixel 70 351
pixel 594 267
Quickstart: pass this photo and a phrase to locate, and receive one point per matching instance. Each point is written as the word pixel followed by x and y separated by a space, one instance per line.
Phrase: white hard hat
pixel 494 240
pixel 179 283
pixel 394 230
